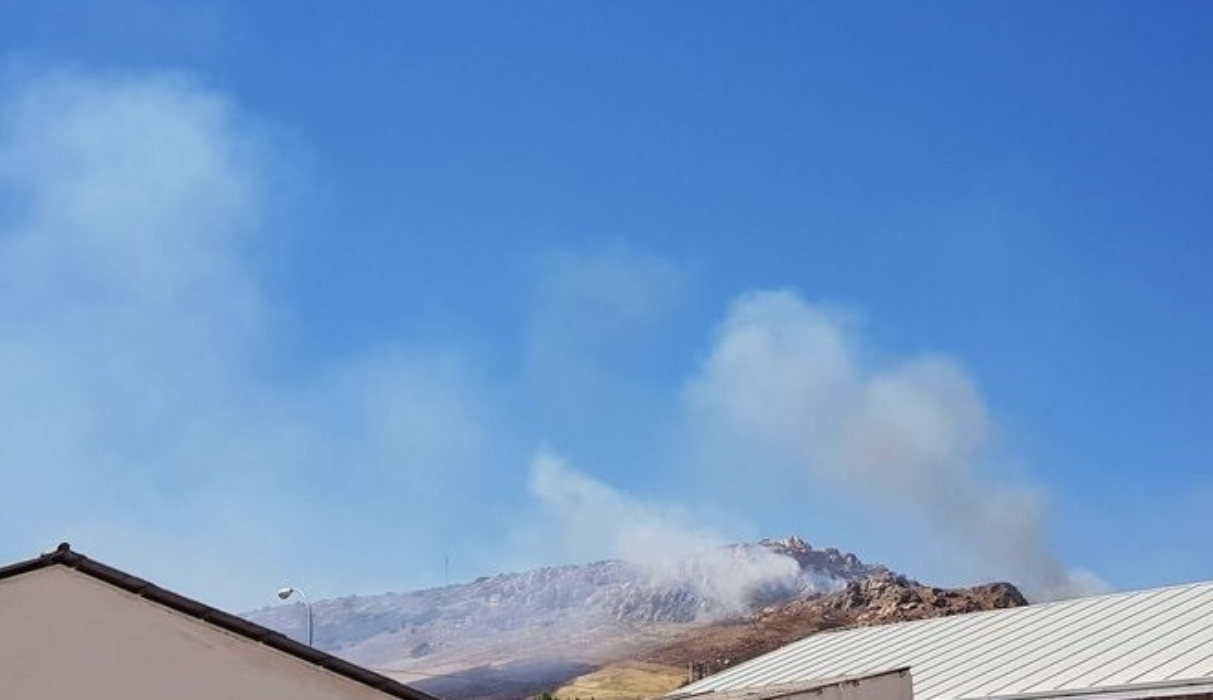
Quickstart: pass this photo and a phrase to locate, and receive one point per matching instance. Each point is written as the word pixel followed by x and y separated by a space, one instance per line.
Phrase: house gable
pixel 68 632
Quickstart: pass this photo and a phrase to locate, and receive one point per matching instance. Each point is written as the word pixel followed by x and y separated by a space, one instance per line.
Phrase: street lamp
pixel 284 593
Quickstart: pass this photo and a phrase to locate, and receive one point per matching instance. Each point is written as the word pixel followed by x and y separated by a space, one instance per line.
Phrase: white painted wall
pixel 65 635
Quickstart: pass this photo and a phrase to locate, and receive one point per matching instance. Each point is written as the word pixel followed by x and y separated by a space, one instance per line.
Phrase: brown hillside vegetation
pixel 879 599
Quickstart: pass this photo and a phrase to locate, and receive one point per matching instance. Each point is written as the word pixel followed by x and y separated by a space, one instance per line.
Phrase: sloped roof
pixel 64 556
pixel 1154 643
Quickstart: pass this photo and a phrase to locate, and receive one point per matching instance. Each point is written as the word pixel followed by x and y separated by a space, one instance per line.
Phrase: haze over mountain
pixel 516 634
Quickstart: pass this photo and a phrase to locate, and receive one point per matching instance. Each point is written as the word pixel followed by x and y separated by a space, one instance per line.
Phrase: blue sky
pixel 353 297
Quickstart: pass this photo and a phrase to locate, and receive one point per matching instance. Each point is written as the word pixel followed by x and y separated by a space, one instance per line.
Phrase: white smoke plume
pixel 593 517
pixel 786 385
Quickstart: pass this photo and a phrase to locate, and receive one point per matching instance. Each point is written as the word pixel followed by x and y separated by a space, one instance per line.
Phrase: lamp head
pixel 284 593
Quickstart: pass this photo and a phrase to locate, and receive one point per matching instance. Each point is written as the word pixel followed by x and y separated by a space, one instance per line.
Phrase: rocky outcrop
pixel 890 597
pixel 840 565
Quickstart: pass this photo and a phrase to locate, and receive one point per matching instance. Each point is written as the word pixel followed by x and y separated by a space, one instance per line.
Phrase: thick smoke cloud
pixel 786 385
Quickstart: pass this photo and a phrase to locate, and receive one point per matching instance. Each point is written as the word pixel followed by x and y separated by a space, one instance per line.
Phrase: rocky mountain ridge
pixel 714 585
pixel 516 634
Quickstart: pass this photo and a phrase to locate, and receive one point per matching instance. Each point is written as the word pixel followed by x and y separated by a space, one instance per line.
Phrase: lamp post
pixel 284 593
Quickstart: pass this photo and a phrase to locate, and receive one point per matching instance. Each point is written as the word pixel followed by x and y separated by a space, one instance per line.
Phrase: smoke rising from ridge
pixel 785 384
pixel 594 517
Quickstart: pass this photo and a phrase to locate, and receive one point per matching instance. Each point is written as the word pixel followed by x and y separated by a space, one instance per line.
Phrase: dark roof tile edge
pixel 63 555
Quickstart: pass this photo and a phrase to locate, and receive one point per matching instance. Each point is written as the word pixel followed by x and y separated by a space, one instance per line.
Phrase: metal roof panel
pixel 1155 638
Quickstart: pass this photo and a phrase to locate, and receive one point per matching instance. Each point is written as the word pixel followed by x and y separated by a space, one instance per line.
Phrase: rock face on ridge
pixel 889 597
pixel 840 565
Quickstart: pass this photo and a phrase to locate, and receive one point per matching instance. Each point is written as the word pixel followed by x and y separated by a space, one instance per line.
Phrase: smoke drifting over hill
pixel 592 516
pixel 786 382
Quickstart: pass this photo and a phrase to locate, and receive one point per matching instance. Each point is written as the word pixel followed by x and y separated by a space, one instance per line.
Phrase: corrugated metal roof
pixel 1158 640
